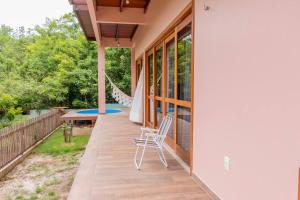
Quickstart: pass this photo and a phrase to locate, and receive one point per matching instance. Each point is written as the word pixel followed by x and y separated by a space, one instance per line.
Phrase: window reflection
pixel 184 63
pixel 170 69
pixel 183 127
pixel 159 72
pixel 150 113
pixel 170 111
pixel 150 77
pixel 159 113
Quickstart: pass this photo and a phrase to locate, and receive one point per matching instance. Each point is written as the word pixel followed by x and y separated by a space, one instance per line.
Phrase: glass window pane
pixel 183 127
pixel 159 72
pixel 184 63
pixel 150 109
pixel 170 111
pixel 170 69
pixel 150 74
pixel 159 113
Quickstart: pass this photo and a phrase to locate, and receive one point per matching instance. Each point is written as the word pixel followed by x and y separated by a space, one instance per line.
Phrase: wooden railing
pixel 16 139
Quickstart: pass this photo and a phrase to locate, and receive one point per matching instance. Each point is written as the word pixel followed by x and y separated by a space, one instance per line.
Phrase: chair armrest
pixel 149 130
pixel 146 130
pixel 153 135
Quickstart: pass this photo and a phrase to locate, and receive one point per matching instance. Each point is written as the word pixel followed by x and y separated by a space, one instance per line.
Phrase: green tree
pixel 54 65
pixel 117 67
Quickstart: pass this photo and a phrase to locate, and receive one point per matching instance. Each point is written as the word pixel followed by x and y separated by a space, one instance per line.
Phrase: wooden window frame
pixel 156 48
pixel 161 43
pixel 147 89
pixel 155 97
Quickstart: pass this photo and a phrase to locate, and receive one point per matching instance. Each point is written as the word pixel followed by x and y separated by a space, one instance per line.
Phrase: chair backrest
pixel 164 128
pixel 162 124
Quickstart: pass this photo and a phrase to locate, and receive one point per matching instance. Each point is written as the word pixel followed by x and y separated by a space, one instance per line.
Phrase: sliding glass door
pixel 183 90
pixel 158 59
pixel 169 86
pixel 150 89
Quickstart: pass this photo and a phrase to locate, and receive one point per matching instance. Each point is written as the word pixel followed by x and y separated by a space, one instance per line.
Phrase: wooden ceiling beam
pixel 77 2
pixel 117 32
pixel 95 5
pixel 112 15
pixel 91 4
pixel 121 5
pixel 111 42
pixel 82 25
pixel 146 6
pixel 80 8
pixel 101 30
pixel 133 32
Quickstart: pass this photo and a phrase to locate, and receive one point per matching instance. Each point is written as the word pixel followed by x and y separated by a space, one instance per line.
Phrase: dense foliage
pixel 53 65
pixel 117 66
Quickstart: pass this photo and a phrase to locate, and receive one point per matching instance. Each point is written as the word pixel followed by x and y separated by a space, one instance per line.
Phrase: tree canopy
pixel 54 65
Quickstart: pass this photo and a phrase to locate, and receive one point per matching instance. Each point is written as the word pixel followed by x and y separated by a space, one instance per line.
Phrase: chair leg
pixel 139 163
pixel 162 157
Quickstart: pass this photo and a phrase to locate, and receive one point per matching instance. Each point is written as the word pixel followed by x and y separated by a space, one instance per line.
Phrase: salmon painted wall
pixel 247 98
pixel 159 15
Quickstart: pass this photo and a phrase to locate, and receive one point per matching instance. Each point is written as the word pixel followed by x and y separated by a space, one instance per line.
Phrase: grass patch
pixel 55 145
pixel 20 197
pixel 55 160
pixel 54 181
pixel 51 194
pixel 38 190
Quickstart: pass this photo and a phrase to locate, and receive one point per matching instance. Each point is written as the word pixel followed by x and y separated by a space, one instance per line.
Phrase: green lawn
pixel 55 145
pixel 50 169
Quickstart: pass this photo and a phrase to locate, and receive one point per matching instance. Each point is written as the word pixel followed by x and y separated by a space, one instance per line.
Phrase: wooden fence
pixel 15 140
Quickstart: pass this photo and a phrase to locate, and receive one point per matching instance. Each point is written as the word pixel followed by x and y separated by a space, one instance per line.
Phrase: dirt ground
pixel 40 176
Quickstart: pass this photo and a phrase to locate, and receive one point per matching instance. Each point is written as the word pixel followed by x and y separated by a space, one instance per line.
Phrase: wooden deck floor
pixel 107 171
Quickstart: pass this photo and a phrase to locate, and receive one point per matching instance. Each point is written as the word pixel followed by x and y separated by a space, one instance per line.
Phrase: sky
pixel 28 13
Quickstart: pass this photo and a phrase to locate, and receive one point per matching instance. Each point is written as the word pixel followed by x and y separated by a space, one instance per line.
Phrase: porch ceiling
pixel 85 22
pixel 117 30
pixel 120 3
pixel 104 19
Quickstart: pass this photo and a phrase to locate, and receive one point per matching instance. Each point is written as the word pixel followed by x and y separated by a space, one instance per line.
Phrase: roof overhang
pixel 112 23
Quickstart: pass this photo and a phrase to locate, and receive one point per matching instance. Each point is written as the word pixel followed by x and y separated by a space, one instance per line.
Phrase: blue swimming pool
pixel 95 111
pixel 110 108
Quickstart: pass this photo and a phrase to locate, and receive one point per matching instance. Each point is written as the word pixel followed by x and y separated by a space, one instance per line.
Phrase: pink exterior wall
pixel 247 98
pixel 159 15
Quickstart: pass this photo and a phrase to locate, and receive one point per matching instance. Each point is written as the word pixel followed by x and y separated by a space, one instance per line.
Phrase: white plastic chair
pixel 153 138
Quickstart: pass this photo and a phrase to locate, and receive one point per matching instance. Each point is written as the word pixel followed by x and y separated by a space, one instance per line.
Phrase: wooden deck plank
pixel 107 170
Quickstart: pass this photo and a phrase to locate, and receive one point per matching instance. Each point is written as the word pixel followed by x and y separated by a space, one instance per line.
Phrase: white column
pixel 101 80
